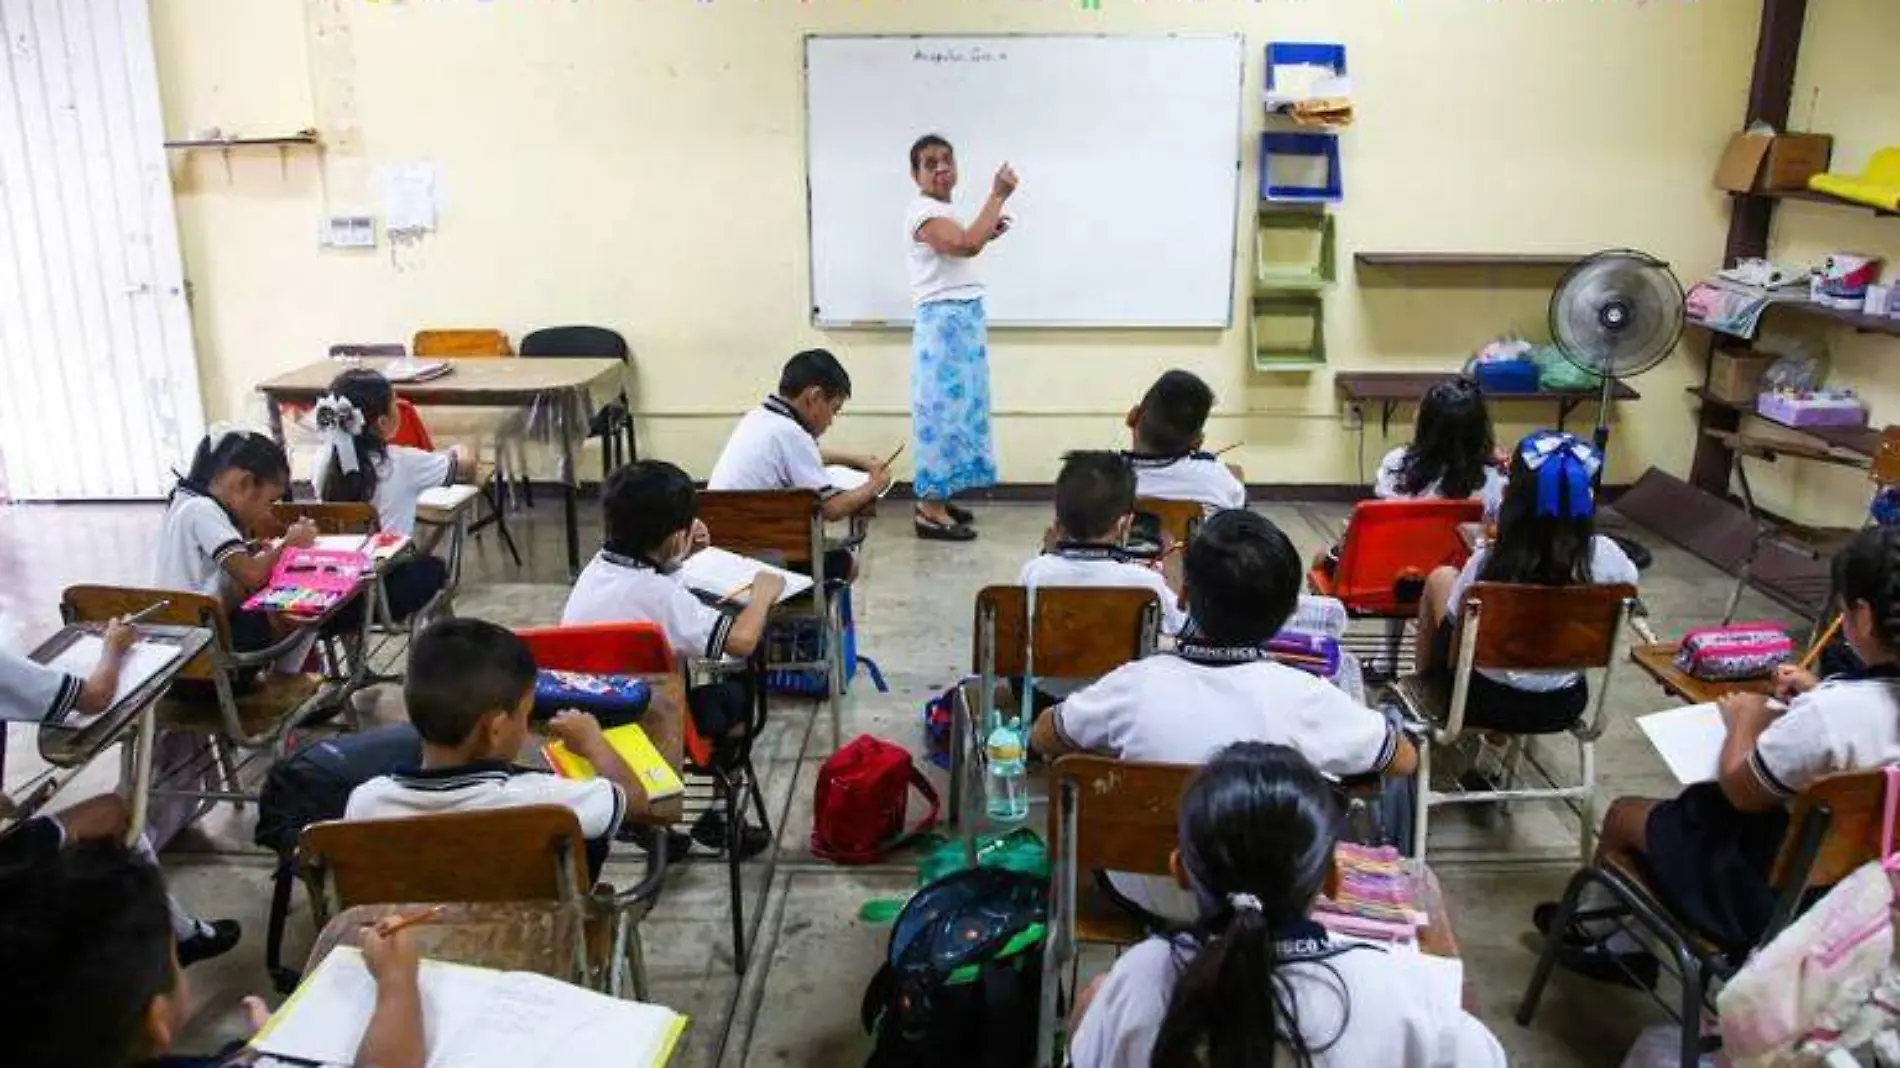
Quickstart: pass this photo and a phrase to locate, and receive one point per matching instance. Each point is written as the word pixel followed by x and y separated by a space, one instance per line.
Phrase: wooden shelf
pixel 1866 324
pixel 1809 196
pixel 307 137
pixel 1404 260
pixel 1389 389
pixel 1859 440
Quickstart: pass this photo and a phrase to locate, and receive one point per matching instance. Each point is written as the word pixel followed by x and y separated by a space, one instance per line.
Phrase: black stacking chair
pixel 614 418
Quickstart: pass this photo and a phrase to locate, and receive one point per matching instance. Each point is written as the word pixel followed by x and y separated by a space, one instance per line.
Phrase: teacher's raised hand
pixel 1005 182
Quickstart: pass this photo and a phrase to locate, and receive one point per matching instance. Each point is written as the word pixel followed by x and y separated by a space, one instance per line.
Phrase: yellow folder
pixel 656 776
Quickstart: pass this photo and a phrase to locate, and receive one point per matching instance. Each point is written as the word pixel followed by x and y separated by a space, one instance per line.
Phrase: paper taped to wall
pixel 411 194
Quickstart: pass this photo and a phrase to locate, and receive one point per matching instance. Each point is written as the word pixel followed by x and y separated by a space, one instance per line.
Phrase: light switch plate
pixel 349 231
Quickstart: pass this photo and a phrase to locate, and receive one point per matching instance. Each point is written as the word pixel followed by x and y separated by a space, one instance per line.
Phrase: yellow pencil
pixel 388 926
pixel 1814 651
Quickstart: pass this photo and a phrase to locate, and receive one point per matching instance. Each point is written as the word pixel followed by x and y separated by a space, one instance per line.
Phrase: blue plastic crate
pixel 1321 145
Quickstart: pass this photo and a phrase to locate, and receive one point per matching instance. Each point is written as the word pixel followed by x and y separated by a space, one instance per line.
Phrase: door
pixel 98 379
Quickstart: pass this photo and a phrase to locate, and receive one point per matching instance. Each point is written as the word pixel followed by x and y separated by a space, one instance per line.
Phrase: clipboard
pixel 66 746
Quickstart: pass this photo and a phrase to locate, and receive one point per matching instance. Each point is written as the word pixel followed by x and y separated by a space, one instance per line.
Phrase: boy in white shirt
pixel 1242 582
pixel 650 529
pixel 1169 428
pixel 469 692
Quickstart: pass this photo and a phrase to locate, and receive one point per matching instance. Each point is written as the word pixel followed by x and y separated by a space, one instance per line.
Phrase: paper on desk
pixel 1688 739
pixel 718 573
pixel 142 661
pixel 845 479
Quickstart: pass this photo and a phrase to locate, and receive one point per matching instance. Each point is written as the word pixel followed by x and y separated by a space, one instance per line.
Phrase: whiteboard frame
pixel 811 244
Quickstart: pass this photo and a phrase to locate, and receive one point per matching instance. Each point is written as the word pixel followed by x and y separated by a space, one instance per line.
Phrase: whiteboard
pixel 1128 150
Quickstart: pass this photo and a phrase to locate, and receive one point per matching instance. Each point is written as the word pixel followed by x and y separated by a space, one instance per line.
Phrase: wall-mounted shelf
pixel 1809 196
pixel 1866 324
pixel 1407 260
pixel 1859 440
pixel 307 137
pixel 1389 389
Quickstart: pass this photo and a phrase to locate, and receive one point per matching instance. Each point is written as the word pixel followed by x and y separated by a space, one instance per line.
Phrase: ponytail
pixel 1233 1006
pixel 347 417
pixel 227 446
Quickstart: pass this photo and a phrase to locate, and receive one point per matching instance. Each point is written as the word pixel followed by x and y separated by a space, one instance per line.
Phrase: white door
pixel 98 381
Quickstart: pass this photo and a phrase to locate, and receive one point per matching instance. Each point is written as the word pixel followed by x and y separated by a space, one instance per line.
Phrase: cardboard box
pixel 1763 163
pixel 1735 377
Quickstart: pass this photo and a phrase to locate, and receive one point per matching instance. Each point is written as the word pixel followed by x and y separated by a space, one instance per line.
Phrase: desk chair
pixel 475 424
pixel 1179 520
pixel 534 853
pixel 614 418
pixel 542 937
pixel 1107 815
pixel 642 649
pixel 785 527
pixel 1388 550
pixel 1078 633
pixel 1530 628
pixel 1834 828
pixel 412 432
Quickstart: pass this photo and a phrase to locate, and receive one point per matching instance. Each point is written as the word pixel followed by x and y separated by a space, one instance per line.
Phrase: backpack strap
pixel 929 822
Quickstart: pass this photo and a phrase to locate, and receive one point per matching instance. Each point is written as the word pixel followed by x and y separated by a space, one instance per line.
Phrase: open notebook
pixel 142 661
pixel 845 479
pixel 728 576
pixel 474 1018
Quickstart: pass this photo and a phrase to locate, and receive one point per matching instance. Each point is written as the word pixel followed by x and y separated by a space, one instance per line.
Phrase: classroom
pixel 744 533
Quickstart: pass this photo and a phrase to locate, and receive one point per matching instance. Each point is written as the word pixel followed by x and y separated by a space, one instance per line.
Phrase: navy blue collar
pixel 780 406
pixel 1206 652
pixel 632 561
pixel 1087 550
pixel 1869 672
pixel 1140 460
pixel 474 769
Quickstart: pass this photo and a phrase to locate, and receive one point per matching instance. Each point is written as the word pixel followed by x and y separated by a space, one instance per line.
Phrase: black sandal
pixel 932 530
pixel 961 515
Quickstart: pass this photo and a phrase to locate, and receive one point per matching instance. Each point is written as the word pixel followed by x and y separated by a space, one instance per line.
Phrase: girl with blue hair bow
pixel 1546 537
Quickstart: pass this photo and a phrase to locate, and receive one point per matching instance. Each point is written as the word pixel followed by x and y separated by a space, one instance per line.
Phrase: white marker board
pixel 1128 150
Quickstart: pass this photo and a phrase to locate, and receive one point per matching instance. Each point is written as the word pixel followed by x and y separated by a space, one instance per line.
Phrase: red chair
pixel 412 432
pixel 1389 548
pixel 410 429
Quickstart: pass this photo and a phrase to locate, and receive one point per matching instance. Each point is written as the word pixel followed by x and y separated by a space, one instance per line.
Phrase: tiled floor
pixel 798 1003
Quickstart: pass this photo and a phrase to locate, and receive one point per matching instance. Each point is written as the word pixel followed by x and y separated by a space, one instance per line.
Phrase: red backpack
pixel 858 812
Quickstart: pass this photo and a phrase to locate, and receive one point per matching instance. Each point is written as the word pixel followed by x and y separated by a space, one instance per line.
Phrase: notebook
pixel 409 369
pixel 473 1018
pixel 728 576
pixel 845 479
pixel 656 776
pixel 378 547
pixel 446 498
pixel 1689 740
pixel 142 662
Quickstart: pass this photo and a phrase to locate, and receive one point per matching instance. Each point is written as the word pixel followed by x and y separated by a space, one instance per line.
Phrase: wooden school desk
pixel 1658 662
pixel 561 396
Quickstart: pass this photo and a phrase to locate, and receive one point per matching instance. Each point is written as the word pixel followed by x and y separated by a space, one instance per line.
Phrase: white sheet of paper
pixel 142 661
pixel 1688 739
pixel 447 498
pixel 411 194
pixel 719 573
pixel 846 479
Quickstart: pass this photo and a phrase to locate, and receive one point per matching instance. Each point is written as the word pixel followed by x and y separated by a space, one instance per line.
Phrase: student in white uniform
pixel 650 529
pixel 469 692
pixel 1256 981
pixel 1546 537
pixel 1219 686
pixel 235 476
pixel 31 692
pixel 357 420
pixel 1169 428
pixel 1708 851
pixel 1453 454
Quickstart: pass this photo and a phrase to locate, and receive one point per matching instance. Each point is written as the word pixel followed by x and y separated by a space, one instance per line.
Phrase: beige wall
pixel 640 165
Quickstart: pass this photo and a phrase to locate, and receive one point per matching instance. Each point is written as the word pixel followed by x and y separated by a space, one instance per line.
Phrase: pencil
pixel 1814 651
pixel 895 452
pixel 1228 449
pixel 149 612
pixel 737 592
pixel 387 926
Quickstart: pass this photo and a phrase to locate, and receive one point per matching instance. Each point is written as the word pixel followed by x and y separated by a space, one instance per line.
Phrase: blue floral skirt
pixel 950 399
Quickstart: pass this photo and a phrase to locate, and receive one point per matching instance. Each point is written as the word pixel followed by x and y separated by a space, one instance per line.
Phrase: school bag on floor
pixel 309 786
pixel 961 983
pixel 859 803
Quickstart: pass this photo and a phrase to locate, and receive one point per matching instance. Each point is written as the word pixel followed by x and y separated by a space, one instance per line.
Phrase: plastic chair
pixel 1389 549
pixel 614 418
pixel 1834 828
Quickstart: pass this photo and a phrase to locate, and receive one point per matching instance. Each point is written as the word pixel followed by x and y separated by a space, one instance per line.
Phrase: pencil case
pixel 1737 651
pixel 1311 653
pixel 612 699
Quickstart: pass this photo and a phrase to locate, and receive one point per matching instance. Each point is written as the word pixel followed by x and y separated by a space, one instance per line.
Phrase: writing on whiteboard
pixel 972 54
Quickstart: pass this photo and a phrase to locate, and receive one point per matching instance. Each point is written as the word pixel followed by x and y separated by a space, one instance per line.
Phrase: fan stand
pixel 1615 315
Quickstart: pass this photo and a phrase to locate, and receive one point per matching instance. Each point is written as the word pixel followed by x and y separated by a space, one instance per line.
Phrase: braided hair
pixel 1868 571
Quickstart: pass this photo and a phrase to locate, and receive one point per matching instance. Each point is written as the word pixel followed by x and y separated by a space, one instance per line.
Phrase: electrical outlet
pixel 1354 417
pixel 349 231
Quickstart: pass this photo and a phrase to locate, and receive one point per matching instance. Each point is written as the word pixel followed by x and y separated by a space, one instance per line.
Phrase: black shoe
pixel 1544 917
pixel 709 830
pixel 927 530
pixel 1637 970
pixel 215 938
pixel 961 515
pixel 678 845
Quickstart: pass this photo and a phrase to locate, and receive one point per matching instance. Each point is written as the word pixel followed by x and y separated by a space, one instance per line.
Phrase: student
pixel 1168 428
pixel 92 978
pixel 31 692
pixel 1708 851
pixel 1256 981
pixel 1546 537
pixel 775 447
pixel 1453 454
pixel 650 529
pixel 235 476
pixel 357 420
pixel 470 692
pixel 1242 581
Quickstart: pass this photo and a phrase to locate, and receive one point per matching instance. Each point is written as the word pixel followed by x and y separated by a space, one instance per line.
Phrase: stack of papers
pixel 727 576
pixel 142 662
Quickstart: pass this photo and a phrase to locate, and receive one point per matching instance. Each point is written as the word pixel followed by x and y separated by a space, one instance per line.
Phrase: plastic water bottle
pixel 1008 794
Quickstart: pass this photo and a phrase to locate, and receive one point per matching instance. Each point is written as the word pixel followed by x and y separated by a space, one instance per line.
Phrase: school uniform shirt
pixel 933 275
pixel 34 693
pixel 1844 724
pixel 1170 709
pixel 196 537
pixel 1199 477
pixel 1096 567
pixel 599 804
pixel 402 475
pixel 1386 488
pixel 770 449
pixel 1393 1014
pixel 1608 567
pixel 613 588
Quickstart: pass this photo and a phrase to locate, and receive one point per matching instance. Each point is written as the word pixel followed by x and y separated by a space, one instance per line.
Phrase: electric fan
pixel 1615 315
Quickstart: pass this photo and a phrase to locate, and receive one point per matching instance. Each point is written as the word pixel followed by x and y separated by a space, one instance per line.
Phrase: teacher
pixel 950 372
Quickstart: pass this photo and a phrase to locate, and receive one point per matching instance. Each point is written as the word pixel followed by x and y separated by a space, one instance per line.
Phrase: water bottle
pixel 1008 793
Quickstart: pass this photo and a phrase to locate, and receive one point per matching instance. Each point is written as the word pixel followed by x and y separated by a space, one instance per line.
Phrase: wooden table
pixel 1658 662
pixel 1389 389
pixel 560 393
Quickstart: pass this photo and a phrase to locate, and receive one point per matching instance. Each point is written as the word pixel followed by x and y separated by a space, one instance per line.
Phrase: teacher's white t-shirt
pixel 933 275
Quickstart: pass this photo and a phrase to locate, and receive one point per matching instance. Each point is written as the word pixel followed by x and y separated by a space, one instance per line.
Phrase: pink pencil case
pixel 309 581
pixel 1737 651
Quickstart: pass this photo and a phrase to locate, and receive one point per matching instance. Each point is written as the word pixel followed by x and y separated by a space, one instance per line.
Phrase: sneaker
pixel 961 515
pixel 214 939
pixel 678 845
pixel 930 530
pixel 1637 970
pixel 710 831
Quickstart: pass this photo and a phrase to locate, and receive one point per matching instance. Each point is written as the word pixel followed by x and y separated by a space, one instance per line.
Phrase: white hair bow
pixel 338 422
